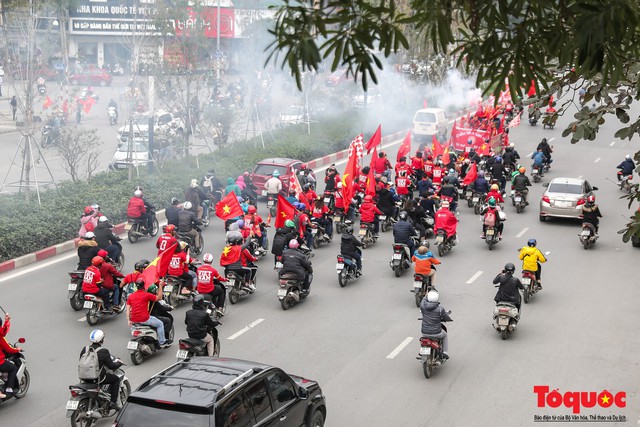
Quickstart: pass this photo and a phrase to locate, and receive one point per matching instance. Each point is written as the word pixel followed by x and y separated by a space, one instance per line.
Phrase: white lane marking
pixel 524 230
pixel 82 319
pixel 530 154
pixel 474 277
pixel 38 266
pixel 399 348
pixel 612 144
pixel 551 139
pixel 245 329
pixel 596 160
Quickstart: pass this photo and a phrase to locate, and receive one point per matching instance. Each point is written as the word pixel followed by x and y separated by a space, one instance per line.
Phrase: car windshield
pixel 137 147
pixel 136 415
pixel 561 187
pixel 425 117
pixel 267 169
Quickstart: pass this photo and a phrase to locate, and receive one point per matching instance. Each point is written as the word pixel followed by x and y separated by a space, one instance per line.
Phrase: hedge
pixel 27 227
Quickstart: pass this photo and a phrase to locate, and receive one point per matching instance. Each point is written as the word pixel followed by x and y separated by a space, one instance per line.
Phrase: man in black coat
pixel 349 246
pixel 172 212
pixel 200 325
pixel 296 263
pixel 106 239
pixel 509 289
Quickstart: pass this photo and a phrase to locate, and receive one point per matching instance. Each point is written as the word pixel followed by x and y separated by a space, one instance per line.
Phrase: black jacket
pixel 497 170
pixel 508 290
pixel 349 244
pixel 449 190
pixel 294 261
pixel 386 202
pixel 104 359
pixel 281 239
pixel 591 214
pixel 198 323
pixel 187 220
pixel 521 182
pixel 509 156
pixel 546 149
pixel 172 214
pixel 402 232
pixel 104 235
pixel 87 249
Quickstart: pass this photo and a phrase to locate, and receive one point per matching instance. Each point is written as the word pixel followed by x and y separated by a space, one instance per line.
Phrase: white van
pixel 428 122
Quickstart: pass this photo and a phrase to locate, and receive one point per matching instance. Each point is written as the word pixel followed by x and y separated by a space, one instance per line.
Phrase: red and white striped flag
pixel 515 122
pixel 294 184
pixel 358 145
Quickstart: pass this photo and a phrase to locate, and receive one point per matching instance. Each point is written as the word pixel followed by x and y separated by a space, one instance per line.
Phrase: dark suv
pixel 221 392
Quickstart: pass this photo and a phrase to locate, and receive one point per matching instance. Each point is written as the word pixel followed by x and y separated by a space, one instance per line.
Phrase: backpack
pixel 490 218
pixel 207 182
pixel 88 365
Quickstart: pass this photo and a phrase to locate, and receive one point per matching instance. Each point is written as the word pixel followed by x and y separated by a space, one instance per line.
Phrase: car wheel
pixel 635 243
pixel 317 420
pixel 542 218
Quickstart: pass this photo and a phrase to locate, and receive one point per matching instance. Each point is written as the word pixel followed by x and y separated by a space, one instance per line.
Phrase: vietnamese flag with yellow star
pixel 349 178
pixel 228 207
pixel 370 189
pixel 284 211
pixel 158 267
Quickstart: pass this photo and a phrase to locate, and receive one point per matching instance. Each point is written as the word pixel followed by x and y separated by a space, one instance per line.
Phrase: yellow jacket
pixel 530 257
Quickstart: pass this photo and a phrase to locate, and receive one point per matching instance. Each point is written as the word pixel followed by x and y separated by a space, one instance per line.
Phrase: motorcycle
pixel 95 304
pixel 90 400
pixel 624 182
pixel 113 115
pixel 290 291
pixel 319 235
pixel 505 318
pixel 443 242
pixel 520 201
pixel 477 201
pixel 347 270
pixel 341 222
pixel 588 235
pixel 421 286
pixel 135 228
pixel 144 342
pixel 386 222
pixel 190 347
pixel 22 376
pixel 431 354
pixel 549 120
pixel 535 174
pixel 50 135
pixel 401 259
pixel 491 237
pixel 197 249
pixel 366 234
pixel 238 287
pixel 74 290
pixel 534 116
pixel 530 285
pixel 468 194
pixel 329 200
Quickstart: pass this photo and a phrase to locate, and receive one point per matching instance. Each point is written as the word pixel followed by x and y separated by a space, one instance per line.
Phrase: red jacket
pixel 165 241
pixel 417 163
pixel 178 264
pixel 5 347
pixel 108 272
pixel 206 275
pixel 91 279
pixel 428 168
pixel 496 195
pixel 136 207
pixel 446 220
pixel 368 212
pixel 338 199
pixel 319 212
pixel 437 174
pixel 381 164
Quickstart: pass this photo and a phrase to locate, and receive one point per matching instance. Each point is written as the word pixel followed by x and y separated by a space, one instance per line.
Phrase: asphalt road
pixel 360 342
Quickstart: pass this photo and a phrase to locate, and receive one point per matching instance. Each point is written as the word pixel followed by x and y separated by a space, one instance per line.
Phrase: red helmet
pixel 88 210
pixel 251 209
pixel 169 228
pixel 97 260
pixel 368 198
pixel 102 253
pixel 591 199
pixel 303 166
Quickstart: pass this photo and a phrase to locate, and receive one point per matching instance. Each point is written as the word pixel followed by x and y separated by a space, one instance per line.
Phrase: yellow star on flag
pixel 343 179
pixel 226 250
pixel 284 214
pixel 605 399
pixel 226 209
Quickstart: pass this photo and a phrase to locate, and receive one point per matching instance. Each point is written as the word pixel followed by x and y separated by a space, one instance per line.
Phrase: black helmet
pixel 446 179
pixel 235 240
pixel 141 265
pixel 349 229
pixel 365 170
pixel 509 267
pixel 198 301
pixel 532 242
pixel 403 215
pixel 175 201
pixel 140 283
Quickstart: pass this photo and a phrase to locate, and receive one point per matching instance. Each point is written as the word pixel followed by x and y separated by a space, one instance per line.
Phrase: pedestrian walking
pixel 14 106
pixel 1 80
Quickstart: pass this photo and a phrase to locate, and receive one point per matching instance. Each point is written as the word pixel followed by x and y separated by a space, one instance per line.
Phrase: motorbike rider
pixel 107 240
pixel 232 187
pixel 238 259
pixel 539 159
pixel 105 361
pixel 387 201
pixel 369 214
pixel 481 185
pixel 6 348
pixel 417 164
pixel 255 227
pixel 423 261
pixel 403 231
pixel 209 283
pixel 131 278
pixel 438 173
pixel 591 213
pixel 188 223
pixel 306 176
pixel 88 220
pixel 433 314
pixel 498 173
pixel 626 167
pixel 403 181
pixel 179 265
pixel 234 231
pixel 546 150
pixel 309 193
pixel 87 250
pixel 447 221
pixel 167 239
pixel 491 218
pixel 137 210
pixel 282 237
pixel 273 187
pixel 113 104
pixel 171 212
pixel 509 286
pixel 109 273
pixel 92 282
pixel 521 182
pixel 382 165
pixel 350 247
pixel 320 215
pixel 161 311
pixel 138 310
pixel 211 185
pixel 531 259
pixel 296 263
pixel 339 206
pixel 450 192
pixel 331 179
pixel 199 324
pixel 495 193
pixel 199 200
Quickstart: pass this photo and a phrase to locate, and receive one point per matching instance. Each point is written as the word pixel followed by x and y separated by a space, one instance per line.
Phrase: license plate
pixel 270 203
pixel 562 204
pixel 232 282
pixel 518 199
pixel 476 199
pixel 182 354
pixel 314 231
pixel 73 286
pixel 397 256
pixel 339 266
pixel 327 199
pixel 382 217
pixel 417 284
pixel 72 405
pixel 127 227
pixel 362 232
pixel 425 351
pixel 439 239
pixel 490 232
pixel 278 264
pixel 88 304
pixel 336 218
pixel 503 321
pixel 132 345
pixel 585 233
pixel 526 281
pixel 460 191
pixel 282 292
pixel 264 192
pixel 167 288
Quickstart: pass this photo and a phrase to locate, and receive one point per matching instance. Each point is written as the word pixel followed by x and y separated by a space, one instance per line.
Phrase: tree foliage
pixel 79 152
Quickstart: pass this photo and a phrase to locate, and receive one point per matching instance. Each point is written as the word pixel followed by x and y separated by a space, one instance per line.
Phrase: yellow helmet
pixel 495 187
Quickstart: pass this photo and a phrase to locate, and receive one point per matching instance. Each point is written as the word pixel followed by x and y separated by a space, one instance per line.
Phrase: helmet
pixel 240 223
pixel 498 159
pixel 522 169
pixel 452 172
pixel 470 141
pixel 96 336
pixel 293 244
pixel 207 258
pixel 628 156
pixel 544 140
pixel 532 242
pixel 481 174
pixel 340 185
pixel 103 253
pixel 276 173
pixel 368 198
pixel 446 179
pixel 289 224
pixel 153 288
pixel 300 206
pixel 137 193
pixel 198 301
pixel 512 145
pixel 187 205
pixel 591 199
pixel 174 201
pixel 467 161
pixel 235 240
pixel 97 260
pixel 89 235
pixel 140 283
pixel 365 170
pixel 425 243
pixel 439 162
pixel 103 219
pixel 509 267
pixel 492 201
pixel 445 204
pixel 349 229
pixel 184 246
pixel 88 210
pixel 251 209
pixel 303 166
pixel 240 199
pixel 169 228
pixel 403 215
pixel 141 265
pixel 194 183
pixel 494 187
pixel 433 296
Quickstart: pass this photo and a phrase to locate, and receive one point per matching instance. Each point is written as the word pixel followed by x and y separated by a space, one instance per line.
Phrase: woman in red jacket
pixel 5 365
pixel 369 213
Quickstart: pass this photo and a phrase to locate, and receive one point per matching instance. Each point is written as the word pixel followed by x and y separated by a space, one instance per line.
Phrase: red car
pixel 264 170
pixel 92 76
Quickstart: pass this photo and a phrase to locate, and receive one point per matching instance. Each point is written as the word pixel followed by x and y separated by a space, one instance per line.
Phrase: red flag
pixel 532 89
pixel 284 212
pixel 436 147
pixel 228 207
pixel 446 159
pixel 350 176
pixel 47 103
pixel 88 104
pixel 159 266
pixel 405 147
pixel 294 184
pixel 375 140
pixel 515 122
pixel 471 175
pixel 371 179
pixel 484 149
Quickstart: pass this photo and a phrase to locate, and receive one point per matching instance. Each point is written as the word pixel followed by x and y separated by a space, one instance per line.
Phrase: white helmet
pixel 187 205
pixel 432 296
pixel 103 219
pixel 208 258
pixel 512 145
pixel 96 335
pixel 89 235
pixel 628 156
pixel 340 185
pixel 137 193
pixel 194 183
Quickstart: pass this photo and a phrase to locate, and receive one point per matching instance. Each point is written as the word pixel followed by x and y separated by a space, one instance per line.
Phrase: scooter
pixel 341 222
pixel 491 237
pixel 95 304
pixel 624 182
pixel 588 235
pixel 190 347
pixel 401 259
pixel 421 286
pixel 386 222
pixel 476 202
pixel 74 290
pixel 505 318
pixel 530 285
pixel 535 174
pixel 366 234
pixel 134 228
pixel 431 354
pixel 443 242
pixel 144 342
pixel 290 292
pixel 347 270
pixel 237 286
pixel 520 201
pixel 22 376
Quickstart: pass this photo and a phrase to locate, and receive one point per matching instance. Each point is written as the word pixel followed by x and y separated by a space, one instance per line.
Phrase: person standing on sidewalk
pixel 14 106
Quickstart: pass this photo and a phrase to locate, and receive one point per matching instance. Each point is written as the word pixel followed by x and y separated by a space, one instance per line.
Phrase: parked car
pixel 166 127
pixel 265 169
pixel 139 155
pixel 293 115
pixel 428 122
pixel 91 76
pixel 214 392
pixel 564 198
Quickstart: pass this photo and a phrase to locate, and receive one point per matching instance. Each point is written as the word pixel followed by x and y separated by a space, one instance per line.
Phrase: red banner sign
pixel 205 22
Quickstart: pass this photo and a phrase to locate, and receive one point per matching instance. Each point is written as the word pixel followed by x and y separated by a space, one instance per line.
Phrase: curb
pixel 70 245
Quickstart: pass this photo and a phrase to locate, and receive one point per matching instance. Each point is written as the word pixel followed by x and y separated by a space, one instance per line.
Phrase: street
pixel 360 342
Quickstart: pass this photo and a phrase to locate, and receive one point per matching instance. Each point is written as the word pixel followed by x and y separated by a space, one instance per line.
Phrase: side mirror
pixel 594 188
pixel 21 340
pixel 449 312
pixel 303 393
pixel 545 185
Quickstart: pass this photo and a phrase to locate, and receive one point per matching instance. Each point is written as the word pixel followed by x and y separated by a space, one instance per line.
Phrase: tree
pixel 79 152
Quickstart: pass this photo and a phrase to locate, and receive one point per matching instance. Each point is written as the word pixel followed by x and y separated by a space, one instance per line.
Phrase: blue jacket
pixel 424 185
pixel 481 185
pixel 538 158
pixel 627 167
pixel 402 232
